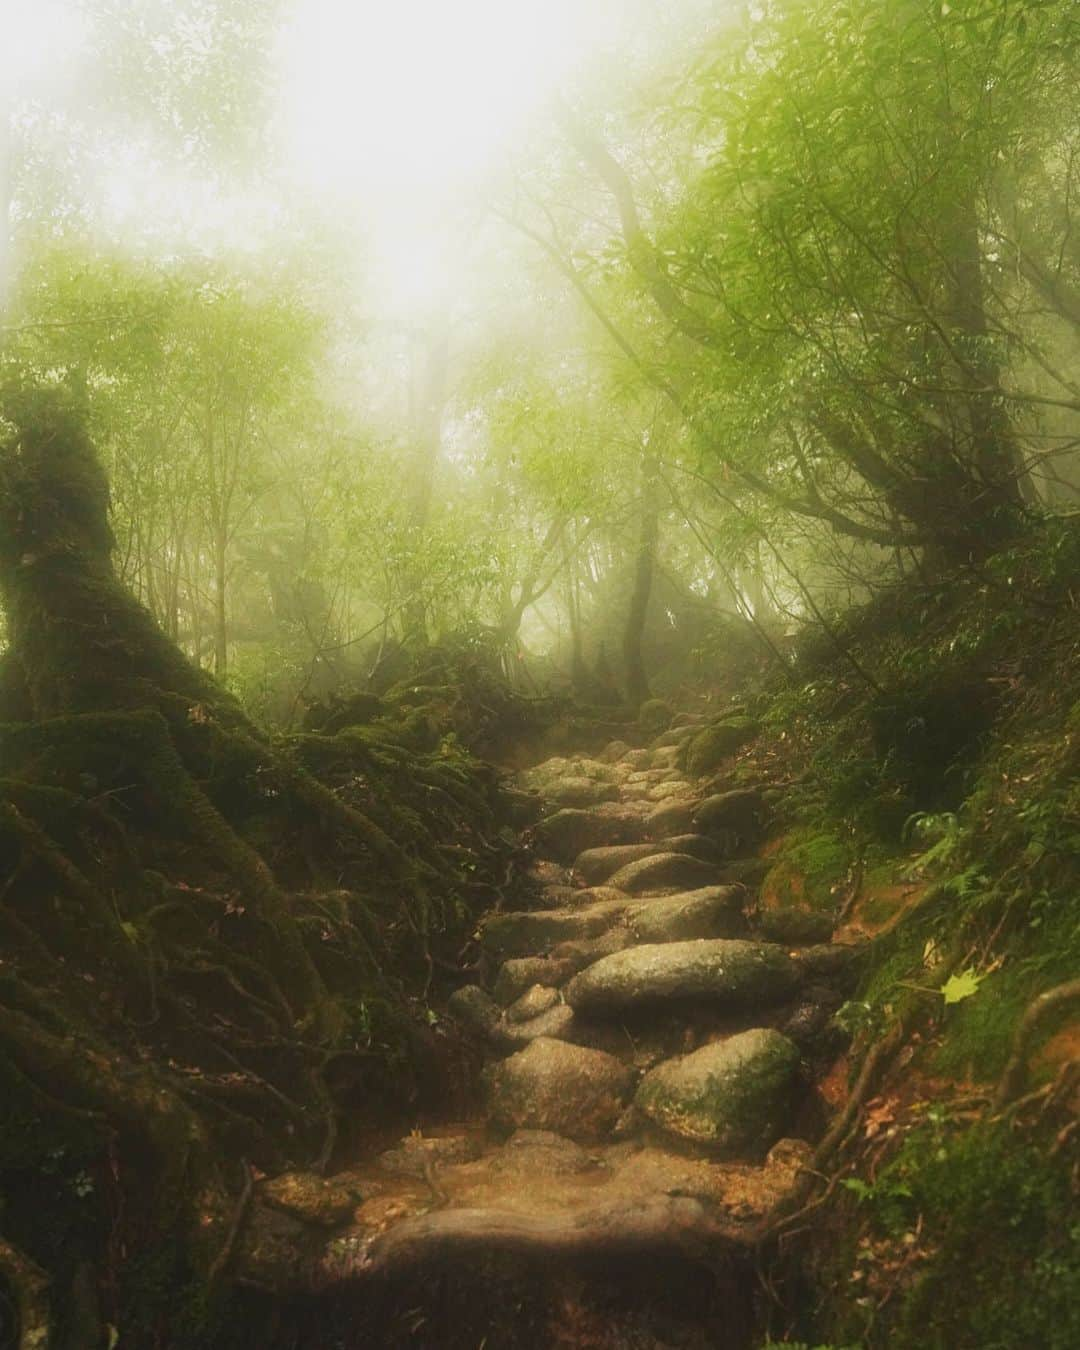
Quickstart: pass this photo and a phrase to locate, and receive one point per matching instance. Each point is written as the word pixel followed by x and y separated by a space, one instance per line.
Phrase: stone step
pixel 596 865
pixel 566 833
pixel 536 1194
pixel 705 911
pixel 736 973
pixel 663 872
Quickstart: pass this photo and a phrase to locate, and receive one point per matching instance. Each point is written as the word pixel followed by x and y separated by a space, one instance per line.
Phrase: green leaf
pixel 959 987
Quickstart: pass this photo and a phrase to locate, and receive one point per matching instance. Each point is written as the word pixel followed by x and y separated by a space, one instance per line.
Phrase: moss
pixel 709 748
pixel 807 869
pixel 1000 1242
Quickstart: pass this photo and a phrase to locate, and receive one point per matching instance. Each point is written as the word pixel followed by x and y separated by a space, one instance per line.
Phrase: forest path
pixel 653 1040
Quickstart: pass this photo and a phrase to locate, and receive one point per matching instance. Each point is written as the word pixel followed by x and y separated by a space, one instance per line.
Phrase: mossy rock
pixel 708 749
pixel 806 872
pixel 732 1097
pixel 655 715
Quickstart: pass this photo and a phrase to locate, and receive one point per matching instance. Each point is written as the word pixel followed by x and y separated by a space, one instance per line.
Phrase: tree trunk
pixel 637 682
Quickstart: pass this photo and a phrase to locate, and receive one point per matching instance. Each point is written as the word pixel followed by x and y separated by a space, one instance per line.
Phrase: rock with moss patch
pixel 731 972
pixel 568 832
pixel 710 912
pixel 552 1085
pixel 663 871
pixel 708 749
pixel 732 1097
pixel 533 932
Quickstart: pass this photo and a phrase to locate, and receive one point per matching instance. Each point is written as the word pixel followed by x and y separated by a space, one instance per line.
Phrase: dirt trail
pixel 651 1091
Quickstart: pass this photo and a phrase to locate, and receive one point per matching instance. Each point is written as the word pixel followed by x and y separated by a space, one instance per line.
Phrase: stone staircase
pixel 652 1040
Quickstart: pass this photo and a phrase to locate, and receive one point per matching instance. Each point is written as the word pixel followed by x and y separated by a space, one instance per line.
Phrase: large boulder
pixel 709 748
pixel 711 912
pixel 664 871
pixel 732 1097
pixel 568 832
pixel 552 1085
pixel 731 972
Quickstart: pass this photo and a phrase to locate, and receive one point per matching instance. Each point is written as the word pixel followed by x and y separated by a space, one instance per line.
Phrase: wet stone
pixel 520 974
pixel 536 1000
pixel 568 832
pixel 664 871
pixel 795 927
pixel 710 912
pixel 556 1023
pixel 732 1097
pixel 731 972
pixel 552 1085
pixel 533 932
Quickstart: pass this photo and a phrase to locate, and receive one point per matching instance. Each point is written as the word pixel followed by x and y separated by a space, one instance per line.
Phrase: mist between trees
pixel 782 310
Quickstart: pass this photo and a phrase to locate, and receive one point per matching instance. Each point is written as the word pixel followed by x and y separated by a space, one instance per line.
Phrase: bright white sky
pixel 391 113
pixel 397 109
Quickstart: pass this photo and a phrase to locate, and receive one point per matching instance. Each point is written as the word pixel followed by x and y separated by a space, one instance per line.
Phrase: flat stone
pixel 520 974
pixel 534 932
pixel 536 1000
pixel 733 1097
pixel 711 912
pixel 566 833
pixel 664 871
pixel 552 1085
pixel 732 972
pixel 795 927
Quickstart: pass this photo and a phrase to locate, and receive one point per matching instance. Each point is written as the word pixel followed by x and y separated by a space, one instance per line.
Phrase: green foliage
pixel 1003 1248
